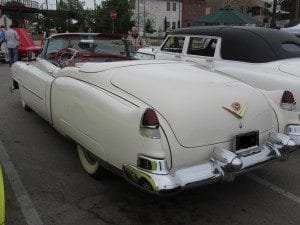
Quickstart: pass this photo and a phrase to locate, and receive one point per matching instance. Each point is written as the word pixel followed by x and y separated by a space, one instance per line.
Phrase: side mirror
pixel 143 56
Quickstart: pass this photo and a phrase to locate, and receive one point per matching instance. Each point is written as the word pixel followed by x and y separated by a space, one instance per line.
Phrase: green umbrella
pixel 226 15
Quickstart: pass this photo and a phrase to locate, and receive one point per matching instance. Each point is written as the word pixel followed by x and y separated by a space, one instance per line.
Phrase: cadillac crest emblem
pixel 237 110
pixel 236 106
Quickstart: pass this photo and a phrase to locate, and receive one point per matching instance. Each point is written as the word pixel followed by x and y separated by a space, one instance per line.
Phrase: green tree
pixel 75 7
pixel 123 23
pixel 149 26
pixel 68 11
pixel 61 16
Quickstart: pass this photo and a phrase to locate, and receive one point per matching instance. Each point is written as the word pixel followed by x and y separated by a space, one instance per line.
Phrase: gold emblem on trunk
pixel 237 110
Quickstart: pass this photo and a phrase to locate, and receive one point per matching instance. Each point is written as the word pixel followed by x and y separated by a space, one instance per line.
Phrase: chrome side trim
pixel 27 88
pixel 33 92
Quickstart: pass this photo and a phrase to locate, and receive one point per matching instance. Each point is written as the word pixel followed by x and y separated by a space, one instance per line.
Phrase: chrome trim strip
pixel 27 88
pixel 33 92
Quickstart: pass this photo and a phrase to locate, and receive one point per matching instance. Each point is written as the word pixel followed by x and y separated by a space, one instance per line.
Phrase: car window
pixel 87 44
pixel 202 46
pixel 173 44
pixel 55 45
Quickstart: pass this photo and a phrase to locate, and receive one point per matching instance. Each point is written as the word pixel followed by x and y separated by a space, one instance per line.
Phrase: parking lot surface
pixel 60 192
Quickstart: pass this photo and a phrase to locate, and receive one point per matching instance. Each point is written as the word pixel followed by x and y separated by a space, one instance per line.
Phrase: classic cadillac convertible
pixel 265 58
pixel 162 125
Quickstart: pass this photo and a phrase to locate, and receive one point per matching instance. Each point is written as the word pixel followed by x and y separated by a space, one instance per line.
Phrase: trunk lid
pixel 192 101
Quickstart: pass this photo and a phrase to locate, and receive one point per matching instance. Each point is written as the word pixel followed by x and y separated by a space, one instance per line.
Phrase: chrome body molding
pixel 223 165
pixel 27 88
pixel 293 131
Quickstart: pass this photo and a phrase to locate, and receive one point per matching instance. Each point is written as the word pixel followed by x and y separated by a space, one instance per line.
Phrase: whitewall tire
pixel 90 163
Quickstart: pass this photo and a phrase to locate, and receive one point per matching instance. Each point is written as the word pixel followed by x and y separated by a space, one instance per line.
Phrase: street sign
pixel 113 14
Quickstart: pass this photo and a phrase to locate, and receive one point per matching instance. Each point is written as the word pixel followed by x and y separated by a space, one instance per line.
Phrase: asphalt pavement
pixel 56 190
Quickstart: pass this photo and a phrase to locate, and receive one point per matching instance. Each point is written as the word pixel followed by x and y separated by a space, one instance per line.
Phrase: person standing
pixel 3 43
pixel 135 40
pixel 12 42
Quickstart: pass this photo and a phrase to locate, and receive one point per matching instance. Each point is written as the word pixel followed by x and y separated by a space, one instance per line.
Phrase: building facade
pixel 257 9
pixel 192 9
pixel 160 14
pixel 27 3
pixel 214 5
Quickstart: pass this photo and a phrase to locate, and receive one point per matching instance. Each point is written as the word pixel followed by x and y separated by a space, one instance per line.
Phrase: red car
pixel 27 47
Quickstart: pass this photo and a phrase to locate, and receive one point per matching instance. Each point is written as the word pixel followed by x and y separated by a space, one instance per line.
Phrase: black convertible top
pixel 250 44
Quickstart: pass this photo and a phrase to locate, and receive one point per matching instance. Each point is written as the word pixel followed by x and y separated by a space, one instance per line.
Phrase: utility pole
pixel 138 15
pixel 297 9
pixel 273 20
pixel 144 15
pixel 95 5
pixel 179 13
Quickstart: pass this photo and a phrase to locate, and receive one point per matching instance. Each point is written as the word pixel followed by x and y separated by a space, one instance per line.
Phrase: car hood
pixel 192 101
pixel 290 66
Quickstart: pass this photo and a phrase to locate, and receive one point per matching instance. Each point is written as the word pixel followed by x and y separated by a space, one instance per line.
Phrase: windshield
pixel 87 44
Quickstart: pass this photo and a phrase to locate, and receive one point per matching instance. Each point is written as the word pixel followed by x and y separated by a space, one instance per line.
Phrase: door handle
pixel 177 56
pixel 50 71
pixel 209 60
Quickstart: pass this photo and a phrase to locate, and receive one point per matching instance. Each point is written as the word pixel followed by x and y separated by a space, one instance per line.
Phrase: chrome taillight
pixel 149 124
pixel 288 101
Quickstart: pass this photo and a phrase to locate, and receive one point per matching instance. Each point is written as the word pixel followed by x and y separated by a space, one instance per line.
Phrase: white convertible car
pixel 265 58
pixel 162 125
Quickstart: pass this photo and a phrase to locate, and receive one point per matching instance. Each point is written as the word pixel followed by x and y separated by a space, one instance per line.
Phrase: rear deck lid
pixel 192 100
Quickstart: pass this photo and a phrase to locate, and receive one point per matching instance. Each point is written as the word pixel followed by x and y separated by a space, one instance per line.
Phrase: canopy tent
pixel 226 15
pixel 294 30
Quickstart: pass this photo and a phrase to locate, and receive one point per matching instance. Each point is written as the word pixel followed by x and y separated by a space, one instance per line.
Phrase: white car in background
pixel 265 58
pixel 162 125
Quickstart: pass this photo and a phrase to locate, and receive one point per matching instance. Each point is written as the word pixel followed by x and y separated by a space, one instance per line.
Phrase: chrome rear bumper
pixel 223 165
pixel 293 131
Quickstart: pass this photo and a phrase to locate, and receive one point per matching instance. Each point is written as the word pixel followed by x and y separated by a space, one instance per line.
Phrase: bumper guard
pixel 293 131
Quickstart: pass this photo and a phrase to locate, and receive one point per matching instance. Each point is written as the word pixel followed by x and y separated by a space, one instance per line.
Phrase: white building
pixel 161 13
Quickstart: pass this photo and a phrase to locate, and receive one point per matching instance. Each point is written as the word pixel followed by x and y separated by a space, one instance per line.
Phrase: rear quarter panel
pixel 101 122
pixel 34 85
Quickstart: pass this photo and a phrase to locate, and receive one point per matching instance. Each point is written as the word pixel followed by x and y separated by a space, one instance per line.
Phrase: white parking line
pixel 29 212
pixel 275 188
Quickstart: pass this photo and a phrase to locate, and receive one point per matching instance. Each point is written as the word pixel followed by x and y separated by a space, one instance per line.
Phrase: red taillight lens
pixel 150 119
pixel 288 97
